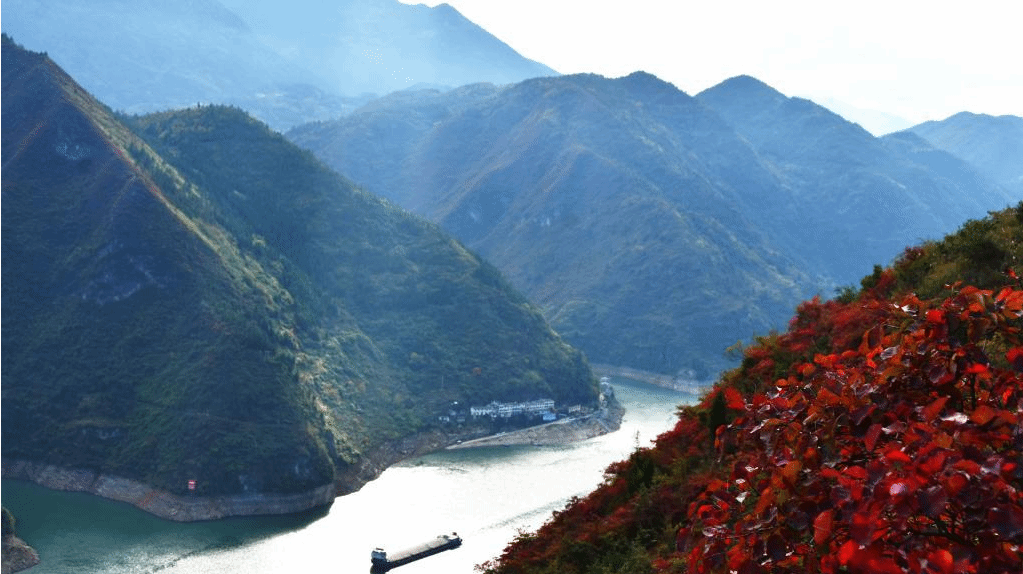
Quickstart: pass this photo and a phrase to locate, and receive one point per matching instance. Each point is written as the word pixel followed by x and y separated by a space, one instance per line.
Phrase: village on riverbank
pixel 575 424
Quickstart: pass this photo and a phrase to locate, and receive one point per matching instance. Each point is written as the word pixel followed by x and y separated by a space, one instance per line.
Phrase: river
pixel 486 495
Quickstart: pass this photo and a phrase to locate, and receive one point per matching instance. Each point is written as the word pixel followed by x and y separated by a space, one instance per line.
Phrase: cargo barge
pixel 383 561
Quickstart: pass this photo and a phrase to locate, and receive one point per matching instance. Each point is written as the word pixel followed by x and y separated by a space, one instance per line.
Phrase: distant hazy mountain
pixel 876 122
pixel 150 55
pixel 202 300
pixel 654 228
pixel 942 163
pixel 296 62
pixel 858 200
pixel 383 45
pixel 993 144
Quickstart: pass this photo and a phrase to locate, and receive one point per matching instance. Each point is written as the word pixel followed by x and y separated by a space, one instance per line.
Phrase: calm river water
pixel 486 495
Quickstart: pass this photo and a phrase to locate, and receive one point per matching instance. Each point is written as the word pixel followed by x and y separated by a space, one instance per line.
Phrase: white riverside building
pixel 507 410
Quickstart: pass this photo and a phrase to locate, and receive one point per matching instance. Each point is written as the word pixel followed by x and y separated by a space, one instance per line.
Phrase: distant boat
pixel 384 561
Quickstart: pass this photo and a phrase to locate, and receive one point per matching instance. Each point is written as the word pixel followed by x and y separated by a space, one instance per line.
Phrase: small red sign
pixel 191 485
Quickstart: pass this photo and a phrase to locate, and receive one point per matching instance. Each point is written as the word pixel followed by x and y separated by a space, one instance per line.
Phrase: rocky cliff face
pixel 17 555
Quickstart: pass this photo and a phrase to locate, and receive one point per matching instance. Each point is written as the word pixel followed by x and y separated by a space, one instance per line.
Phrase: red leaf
pixel 932 410
pixel 968 466
pixel 857 472
pixel 940 561
pixel 872 435
pixel 983 414
pixel 790 471
pixel 1015 357
pixel 862 528
pixel 828 398
pixel 822 526
pixel 733 399
pixel 956 483
pixel 830 473
pixel 976 369
pixel 932 465
pixel 847 551
pixel 936 316
pixel 826 361
pixel 896 455
pixel 766 499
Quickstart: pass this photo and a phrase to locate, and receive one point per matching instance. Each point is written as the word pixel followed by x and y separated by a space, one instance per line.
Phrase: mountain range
pixel 189 297
pixel 654 228
pixel 381 46
pixel 284 63
pixel 856 199
pixel 994 144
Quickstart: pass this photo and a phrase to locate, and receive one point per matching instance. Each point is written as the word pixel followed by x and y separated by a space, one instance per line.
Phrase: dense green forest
pixel 655 228
pixel 187 295
pixel 879 433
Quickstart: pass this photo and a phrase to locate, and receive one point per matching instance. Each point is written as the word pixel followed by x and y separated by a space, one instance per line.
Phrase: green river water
pixel 486 495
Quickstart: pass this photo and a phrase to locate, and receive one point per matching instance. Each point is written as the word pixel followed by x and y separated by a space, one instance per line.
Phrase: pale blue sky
pixel 915 59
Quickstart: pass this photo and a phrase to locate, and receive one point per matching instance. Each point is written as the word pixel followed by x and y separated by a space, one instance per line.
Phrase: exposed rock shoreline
pixel 195 508
pixel 162 503
pixel 187 508
pixel 18 556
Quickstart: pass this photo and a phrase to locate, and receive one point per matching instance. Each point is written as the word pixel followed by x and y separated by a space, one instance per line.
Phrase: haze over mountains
pixel 201 300
pixel 993 144
pixel 654 228
pixel 855 200
pixel 381 46
pixel 286 63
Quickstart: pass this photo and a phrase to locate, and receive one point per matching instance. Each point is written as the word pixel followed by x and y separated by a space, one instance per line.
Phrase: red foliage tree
pixel 902 454
pixel 872 436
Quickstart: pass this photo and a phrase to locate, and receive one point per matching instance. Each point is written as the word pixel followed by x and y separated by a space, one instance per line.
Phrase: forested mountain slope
pixel 858 199
pixel 201 300
pixel 619 206
pixel 628 209
pixel 994 144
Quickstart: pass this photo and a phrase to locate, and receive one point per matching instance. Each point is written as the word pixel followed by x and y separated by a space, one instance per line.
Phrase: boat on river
pixel 384 561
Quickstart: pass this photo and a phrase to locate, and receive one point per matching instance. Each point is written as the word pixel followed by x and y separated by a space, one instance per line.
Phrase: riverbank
pixel 188 508
pixel 162 503
pixel 605 420
pixel 17 555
